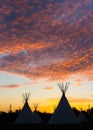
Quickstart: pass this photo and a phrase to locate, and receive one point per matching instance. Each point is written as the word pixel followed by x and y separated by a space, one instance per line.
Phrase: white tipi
pixel 25 115
pixel 37 117
pixel 63 114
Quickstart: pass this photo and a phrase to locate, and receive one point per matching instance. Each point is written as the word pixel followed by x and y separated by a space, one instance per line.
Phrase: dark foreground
pixel 46 127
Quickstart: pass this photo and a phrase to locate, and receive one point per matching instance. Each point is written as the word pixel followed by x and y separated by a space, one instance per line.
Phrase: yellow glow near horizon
pixel 45 106
pixel 47 94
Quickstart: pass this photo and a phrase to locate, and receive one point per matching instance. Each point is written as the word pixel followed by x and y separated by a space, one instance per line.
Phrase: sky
pixel 43 43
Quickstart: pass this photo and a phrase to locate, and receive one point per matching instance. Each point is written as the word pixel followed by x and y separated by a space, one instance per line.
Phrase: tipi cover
pixel 26 115
pixel 82 118
pixel 63 114
pixel 37 117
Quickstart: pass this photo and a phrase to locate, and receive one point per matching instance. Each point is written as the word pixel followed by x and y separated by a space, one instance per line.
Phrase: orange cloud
pixel 9 86
pixel 48 88
pixel 46 40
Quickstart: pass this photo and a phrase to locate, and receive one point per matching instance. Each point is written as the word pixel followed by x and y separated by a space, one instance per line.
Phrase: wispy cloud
pixel 9 86
pixel 14 85
pixel 48 88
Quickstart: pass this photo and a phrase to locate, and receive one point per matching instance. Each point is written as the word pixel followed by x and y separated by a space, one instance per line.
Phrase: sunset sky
pixel 42 43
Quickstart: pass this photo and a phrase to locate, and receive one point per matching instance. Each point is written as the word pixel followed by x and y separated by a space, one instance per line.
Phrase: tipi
pixel 63 114
pixel 82 118
pixel 37 117
pixel 25 115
